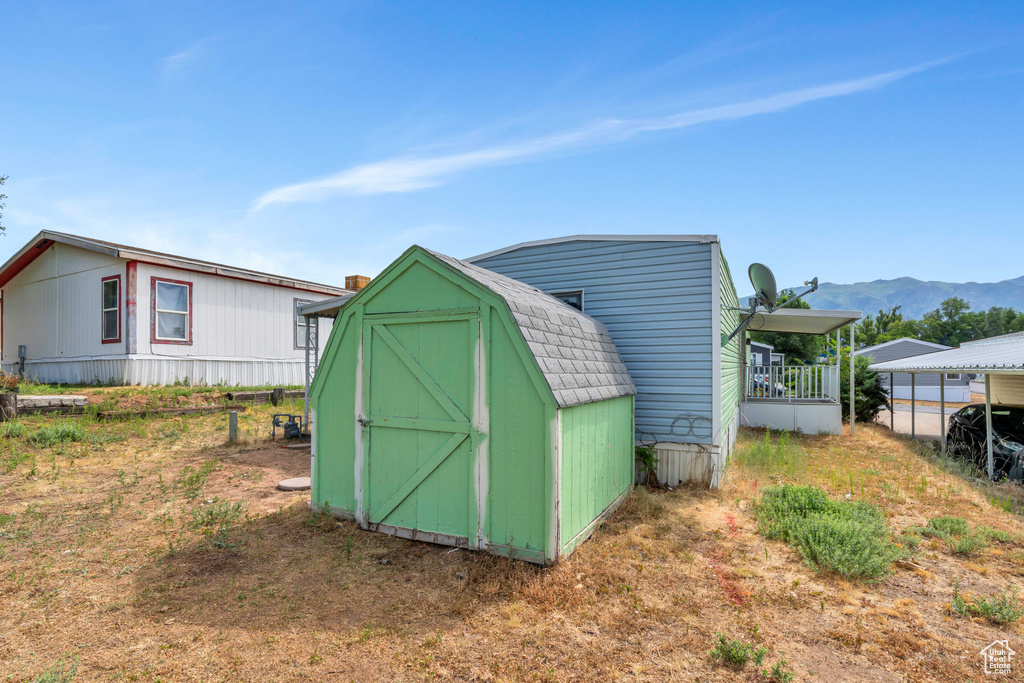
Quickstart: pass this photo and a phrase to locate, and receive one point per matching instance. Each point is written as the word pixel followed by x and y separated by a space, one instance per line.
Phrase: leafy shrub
pixel 780 673
pixel 66 431
pixel 647 462
pixel 190 481
pixel 775 458
pixel 999 609
pixel 12 430
pixel 947 526
pixel 957 534
pixel 215 520
pixel 737 653
pixel 849 538
pixel 968 544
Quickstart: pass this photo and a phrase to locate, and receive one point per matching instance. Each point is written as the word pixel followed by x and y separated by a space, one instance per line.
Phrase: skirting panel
pixel 157 371
pixel 691 463
pixel 807 418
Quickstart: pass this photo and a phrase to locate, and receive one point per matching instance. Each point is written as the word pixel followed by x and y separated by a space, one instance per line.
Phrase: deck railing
pixel 791 382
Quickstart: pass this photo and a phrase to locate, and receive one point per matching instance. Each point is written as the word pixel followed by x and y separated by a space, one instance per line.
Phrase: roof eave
pixel 700 239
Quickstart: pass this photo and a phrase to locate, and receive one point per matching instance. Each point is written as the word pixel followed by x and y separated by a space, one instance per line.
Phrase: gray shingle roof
pixel 575 352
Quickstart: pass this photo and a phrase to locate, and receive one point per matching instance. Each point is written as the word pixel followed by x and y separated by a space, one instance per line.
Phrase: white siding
pixel 53 306
pixel 243 333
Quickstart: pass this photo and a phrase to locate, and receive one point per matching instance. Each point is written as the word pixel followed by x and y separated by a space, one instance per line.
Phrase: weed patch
pixel 12 430
pixel 778 457
pixel 736 653
pixel 1003 608
pixel 191 481
pixel 61 672
pixel 849 538
pixel 215 520
pixel 66 431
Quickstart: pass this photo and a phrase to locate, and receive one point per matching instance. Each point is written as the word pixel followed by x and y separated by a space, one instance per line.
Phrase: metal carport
pixel 1002 357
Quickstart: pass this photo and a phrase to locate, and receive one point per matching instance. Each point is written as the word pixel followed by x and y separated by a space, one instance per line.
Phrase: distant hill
pixel 916 297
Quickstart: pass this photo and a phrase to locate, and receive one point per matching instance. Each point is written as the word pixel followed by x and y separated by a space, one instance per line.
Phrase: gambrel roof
pixel 575 353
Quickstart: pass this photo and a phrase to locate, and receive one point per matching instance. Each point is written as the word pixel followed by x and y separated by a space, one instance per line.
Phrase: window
pixel 172 311
pixel 300 322
pixel 952 375
pixel 110 323
pixel 573 298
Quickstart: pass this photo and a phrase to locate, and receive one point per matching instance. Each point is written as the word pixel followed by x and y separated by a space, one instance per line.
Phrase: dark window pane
pixel 110 294
pixel 574 299
pixel 172 326
pixel 171 297
pixel 110 324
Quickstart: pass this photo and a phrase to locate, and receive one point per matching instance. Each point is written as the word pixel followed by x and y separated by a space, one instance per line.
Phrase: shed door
pixel 420 465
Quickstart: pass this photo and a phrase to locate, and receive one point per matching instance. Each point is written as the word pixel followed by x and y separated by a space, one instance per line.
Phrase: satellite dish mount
pixel 766 295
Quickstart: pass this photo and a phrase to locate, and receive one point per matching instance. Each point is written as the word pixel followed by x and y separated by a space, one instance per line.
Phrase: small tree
pixel 870 398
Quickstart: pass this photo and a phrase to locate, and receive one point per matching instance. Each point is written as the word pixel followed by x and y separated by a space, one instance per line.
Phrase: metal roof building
pixel 1001 359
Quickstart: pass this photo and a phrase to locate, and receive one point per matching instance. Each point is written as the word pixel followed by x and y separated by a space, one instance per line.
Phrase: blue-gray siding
pixel 906 349
pixel 655 299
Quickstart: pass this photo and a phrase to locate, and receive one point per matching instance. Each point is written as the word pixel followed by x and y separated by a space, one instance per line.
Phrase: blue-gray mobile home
pixel 667 301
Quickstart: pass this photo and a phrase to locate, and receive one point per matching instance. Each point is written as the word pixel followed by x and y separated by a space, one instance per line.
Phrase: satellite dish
pixel 764 285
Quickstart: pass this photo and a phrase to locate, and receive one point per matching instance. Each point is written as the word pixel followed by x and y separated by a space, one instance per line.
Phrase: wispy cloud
pixel 175 65
pixel 408 174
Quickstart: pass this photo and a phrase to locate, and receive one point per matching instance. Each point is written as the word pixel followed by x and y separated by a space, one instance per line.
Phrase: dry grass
pixel 99 560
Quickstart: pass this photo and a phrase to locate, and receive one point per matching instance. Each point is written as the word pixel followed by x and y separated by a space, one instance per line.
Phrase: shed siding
pixel 334 461
pixel 519 482
pixel 597 462
pixel 655 299
pixel 1008 389
pixel 518 487
pixel 730 381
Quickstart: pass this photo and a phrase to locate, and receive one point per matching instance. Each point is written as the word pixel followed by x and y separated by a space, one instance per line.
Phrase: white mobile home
pixel 80 310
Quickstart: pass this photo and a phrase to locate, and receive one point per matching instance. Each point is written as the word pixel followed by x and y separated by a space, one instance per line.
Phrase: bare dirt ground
pixel 103 562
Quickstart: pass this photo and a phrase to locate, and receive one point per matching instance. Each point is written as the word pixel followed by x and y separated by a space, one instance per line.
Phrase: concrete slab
pixel 926 424
pixel 295 484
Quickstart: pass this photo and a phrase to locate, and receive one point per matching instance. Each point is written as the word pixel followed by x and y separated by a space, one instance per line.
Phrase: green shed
pixel 458 406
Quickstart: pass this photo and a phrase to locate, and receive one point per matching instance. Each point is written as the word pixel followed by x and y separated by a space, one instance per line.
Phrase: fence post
pixel 233 426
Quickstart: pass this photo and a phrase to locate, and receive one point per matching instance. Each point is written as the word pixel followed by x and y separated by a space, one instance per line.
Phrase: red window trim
pixel 152 311
pixel 117 340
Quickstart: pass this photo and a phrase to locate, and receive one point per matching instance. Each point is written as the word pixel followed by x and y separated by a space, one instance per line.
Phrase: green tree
pixel 952 323
pixel 870 397
pixel 870 330
pixel 803 347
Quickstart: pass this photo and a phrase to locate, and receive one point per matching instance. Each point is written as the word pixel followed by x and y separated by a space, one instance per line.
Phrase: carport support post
pixel 942 409
pixel 892 405
pixel 913 406
pixel 988 424
pixel 853 389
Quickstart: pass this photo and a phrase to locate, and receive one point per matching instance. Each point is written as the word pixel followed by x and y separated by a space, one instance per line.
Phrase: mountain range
pixel 916 296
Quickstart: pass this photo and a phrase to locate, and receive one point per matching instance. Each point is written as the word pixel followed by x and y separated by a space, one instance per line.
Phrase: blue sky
pixel 864 141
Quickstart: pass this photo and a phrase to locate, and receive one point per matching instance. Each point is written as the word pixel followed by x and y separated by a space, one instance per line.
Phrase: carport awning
pixel 800 320
pixel 1002 355
pixel 327 307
